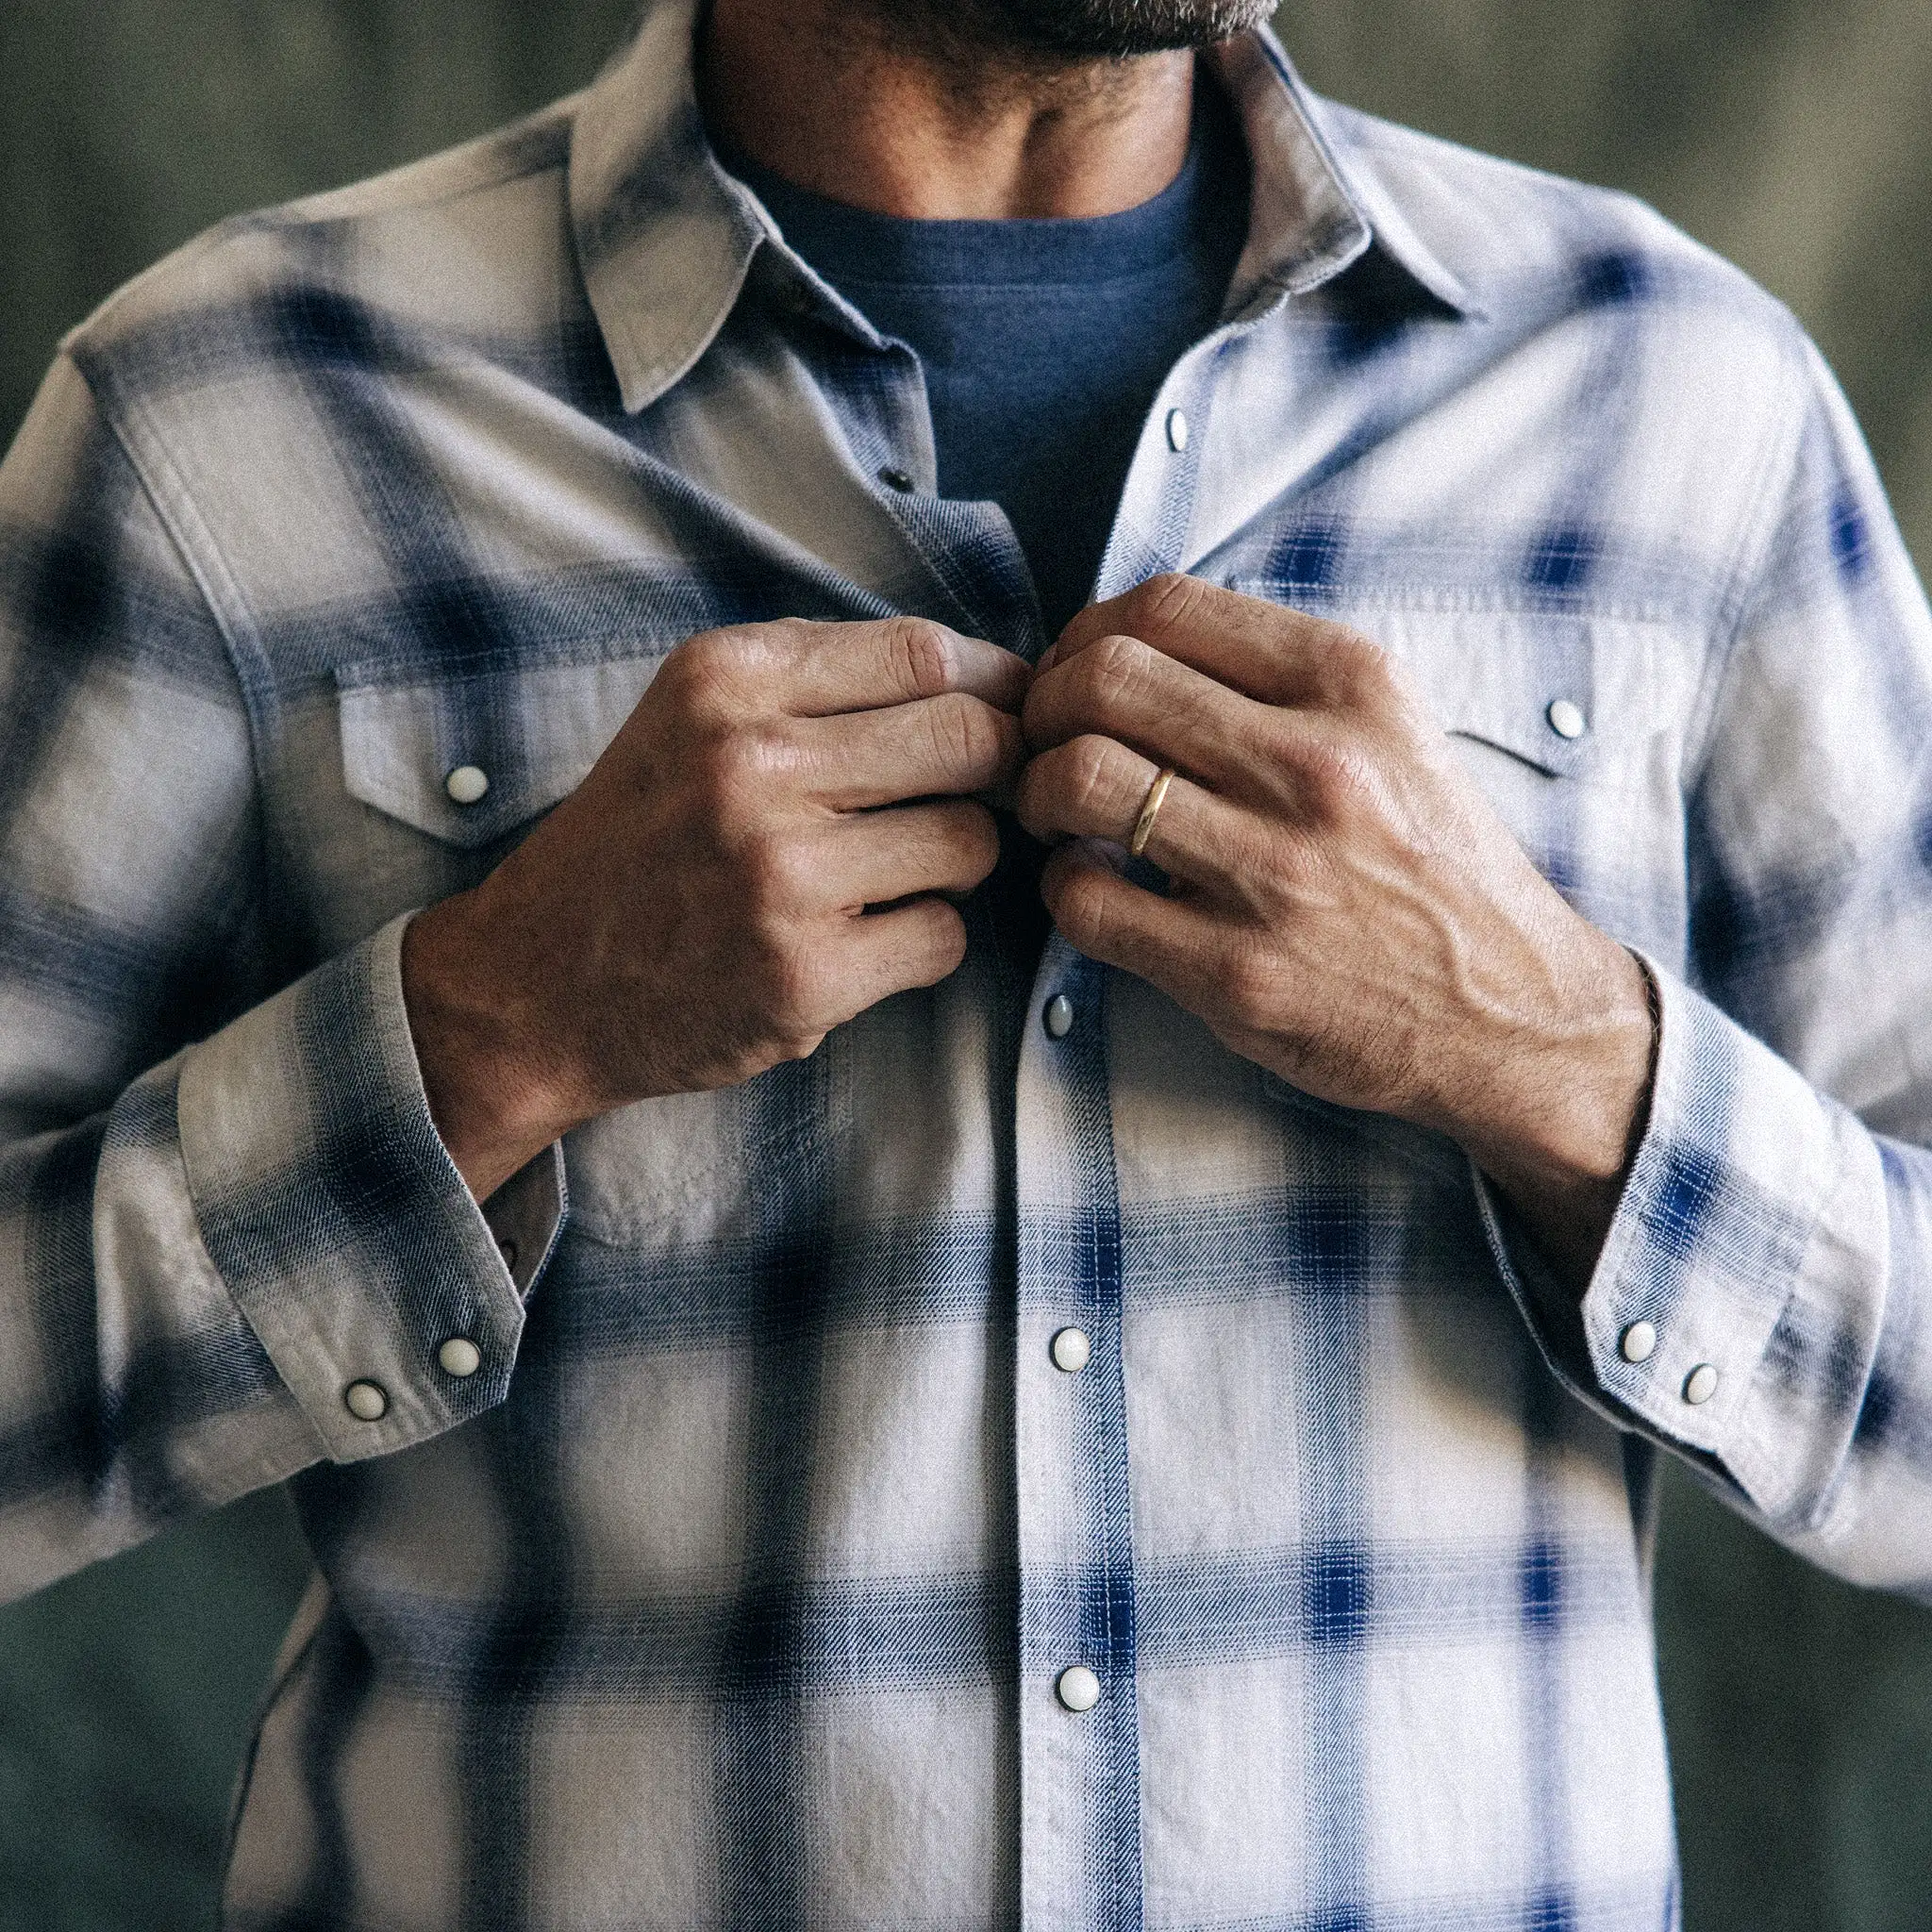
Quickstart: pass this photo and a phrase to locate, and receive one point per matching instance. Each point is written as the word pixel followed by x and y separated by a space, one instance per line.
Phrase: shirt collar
pixel 665 237
pixel 1317 207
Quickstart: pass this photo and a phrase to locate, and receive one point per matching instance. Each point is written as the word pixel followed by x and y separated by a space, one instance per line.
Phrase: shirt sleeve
pixel 202 1246
pixel 1763 1303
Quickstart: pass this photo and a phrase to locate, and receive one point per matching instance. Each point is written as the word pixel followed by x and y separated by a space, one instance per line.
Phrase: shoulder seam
pixel 113 425
pixel 142 461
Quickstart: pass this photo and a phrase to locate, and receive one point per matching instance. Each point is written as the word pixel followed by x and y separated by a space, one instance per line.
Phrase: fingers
pixel 1265 651
pixel 1122 688
pixel 929 748
pixel 1117 923
pixel 1094 788
pixel 821 670
pixel 895 951
pixel 873 858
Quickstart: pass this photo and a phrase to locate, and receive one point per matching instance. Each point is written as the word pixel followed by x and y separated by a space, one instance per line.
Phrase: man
pixel 940 1421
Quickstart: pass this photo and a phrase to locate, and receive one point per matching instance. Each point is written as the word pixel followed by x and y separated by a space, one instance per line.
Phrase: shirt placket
pixel 1079 1727
pixel 1080 1782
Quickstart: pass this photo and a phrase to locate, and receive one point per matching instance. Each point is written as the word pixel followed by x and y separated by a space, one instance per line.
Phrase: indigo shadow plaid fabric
pixel 732 1588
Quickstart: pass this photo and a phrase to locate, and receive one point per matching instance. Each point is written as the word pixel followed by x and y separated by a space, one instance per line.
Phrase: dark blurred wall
pixel 1792 135
pixel 128 125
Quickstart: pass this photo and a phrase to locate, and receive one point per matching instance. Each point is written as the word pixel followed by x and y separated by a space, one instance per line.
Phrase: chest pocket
pixel 663 1172
pixel 467 760
pixel 1554 693
pixel 1574 726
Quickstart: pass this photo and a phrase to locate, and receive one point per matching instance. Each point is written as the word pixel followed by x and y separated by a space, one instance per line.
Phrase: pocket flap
pixel 532 733
pixel 1525 684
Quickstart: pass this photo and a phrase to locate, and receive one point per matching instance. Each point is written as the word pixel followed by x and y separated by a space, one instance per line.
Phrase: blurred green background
pixel 1792 135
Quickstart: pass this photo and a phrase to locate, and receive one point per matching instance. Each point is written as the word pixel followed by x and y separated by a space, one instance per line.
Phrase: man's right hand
pixel 760 855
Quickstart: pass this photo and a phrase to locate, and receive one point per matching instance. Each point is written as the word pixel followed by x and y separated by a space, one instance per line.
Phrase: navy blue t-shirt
pixel 1043 343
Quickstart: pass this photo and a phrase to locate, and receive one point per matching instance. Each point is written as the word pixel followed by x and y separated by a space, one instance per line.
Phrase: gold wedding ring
pixel 1150 810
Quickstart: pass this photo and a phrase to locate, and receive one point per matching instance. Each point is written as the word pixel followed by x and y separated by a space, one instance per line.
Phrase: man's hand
pixel 739 873
pixel 1346 910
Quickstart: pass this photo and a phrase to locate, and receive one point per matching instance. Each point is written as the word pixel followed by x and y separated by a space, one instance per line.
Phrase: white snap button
pixel 1177 430
pixel 1078 1687
pixel 1639 1342
pixel 1700 1384
pixel 467 784
pixel 460 1357
pixel 1072 1350
pixel 366 1401
pixel 1059 1016
pixel 1566 720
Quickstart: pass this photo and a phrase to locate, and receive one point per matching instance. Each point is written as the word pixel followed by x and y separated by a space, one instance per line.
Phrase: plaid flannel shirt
pixel 732 1588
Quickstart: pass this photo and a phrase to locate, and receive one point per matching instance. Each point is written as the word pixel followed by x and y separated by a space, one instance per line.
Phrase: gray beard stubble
pixel 1077 30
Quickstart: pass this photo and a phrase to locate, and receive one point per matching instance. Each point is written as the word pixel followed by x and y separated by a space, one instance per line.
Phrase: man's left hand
pixel 1345 906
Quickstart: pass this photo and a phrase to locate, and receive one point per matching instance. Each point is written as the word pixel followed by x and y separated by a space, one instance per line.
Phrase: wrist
pixel 1563 1115
pixel 494 1107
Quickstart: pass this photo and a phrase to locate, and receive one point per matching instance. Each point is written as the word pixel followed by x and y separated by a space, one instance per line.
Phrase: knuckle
pixel 1200 731
pixel 1330 780
pixel 949 941
pixel 779 868
pixel 951 733
pixel 791 1037
pixel 734 772
pixel 924 656
pixel 1162 600
pixel 683 679
pixel 706 676
pixel 696 657
pixel 796 978
pixel 939 946
pixel 966 735
pixel 1361 674
pixel 713 765
pixel 974 836
pixel 1079 904
pixel 1040 790
pixel 722 672
pixel 982 733
pixel 769 758
pixel 1089 773
pixel 704 658
pixel 1112 671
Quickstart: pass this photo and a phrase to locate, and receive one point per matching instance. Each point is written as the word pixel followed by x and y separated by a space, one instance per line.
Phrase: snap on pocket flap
pixel 1526 683
pixel 468 759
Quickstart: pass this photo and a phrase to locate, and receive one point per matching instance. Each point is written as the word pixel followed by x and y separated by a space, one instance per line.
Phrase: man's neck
pixel 852 102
